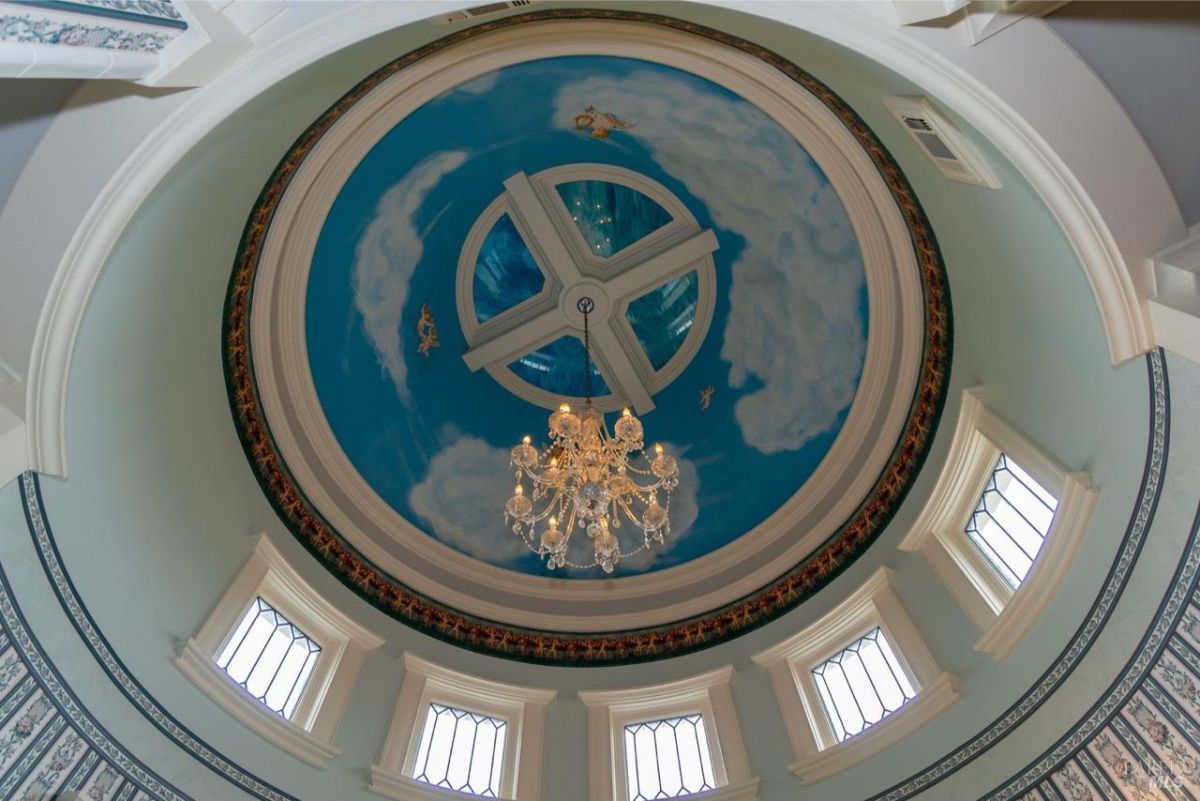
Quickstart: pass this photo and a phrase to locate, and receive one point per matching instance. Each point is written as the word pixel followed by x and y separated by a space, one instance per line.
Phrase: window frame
pixel 707 694
pixel 1002 615
pixel 790 663
pixel 521 708
pixel 308 734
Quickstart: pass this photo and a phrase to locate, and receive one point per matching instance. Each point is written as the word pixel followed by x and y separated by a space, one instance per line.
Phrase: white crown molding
pixel 845 475
pixel 425 682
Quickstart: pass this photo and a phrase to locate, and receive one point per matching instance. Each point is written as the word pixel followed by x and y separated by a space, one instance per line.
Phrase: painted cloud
pixel 794 330
pixel 463 494
pixel 387 254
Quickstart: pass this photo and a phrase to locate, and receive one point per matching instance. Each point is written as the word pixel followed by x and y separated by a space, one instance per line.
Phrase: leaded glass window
pixel 862 684
pixel 461 750
pixel 667 758
pixel 1010 523
pixel 269 658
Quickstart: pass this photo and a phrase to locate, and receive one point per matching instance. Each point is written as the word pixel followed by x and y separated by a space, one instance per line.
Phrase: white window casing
pixel 523 709
pixel 707 695
pixel 818 751
pixel 308 734
pixel 1002 615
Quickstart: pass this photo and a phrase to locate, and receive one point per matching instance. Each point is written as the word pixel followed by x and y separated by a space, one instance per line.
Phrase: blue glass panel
pixel 558 367
pixel 662 317
pixel 505 272
pixel 611 217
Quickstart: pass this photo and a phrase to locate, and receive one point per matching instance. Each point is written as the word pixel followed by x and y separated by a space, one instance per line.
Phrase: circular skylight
pixel 586 229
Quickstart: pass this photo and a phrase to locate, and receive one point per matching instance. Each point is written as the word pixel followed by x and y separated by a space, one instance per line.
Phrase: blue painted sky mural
pixel 784 349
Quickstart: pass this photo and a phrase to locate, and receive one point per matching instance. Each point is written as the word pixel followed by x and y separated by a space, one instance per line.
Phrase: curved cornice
pixel 1081 193
pixel 707 616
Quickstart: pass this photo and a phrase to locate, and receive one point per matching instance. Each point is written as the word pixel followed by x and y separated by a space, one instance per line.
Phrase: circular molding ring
pixel 682 225
pixel 819 531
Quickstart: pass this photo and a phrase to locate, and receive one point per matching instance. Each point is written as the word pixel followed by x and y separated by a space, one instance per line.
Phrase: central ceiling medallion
pixel 586 480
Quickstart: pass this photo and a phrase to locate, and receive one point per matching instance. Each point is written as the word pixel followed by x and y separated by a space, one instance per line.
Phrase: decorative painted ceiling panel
pixel 787 337
pixel 734 292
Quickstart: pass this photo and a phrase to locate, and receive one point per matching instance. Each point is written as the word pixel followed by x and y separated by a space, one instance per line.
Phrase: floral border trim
pixel 1114 586
pixel 587 649
pixel 25 29
pixel 71 713
pixel 85 625
pixel 161 13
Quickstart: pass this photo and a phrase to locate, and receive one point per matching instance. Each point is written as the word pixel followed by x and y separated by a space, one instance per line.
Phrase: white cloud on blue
pixel 462 500
pixel 794 330
pixel 480 85
pixel 389 251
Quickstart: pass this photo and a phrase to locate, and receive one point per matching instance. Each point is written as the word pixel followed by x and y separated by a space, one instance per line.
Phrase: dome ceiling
pixel 415 263
pixel 782 298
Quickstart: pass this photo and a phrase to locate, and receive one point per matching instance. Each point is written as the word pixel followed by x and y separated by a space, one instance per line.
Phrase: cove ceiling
pixel 773 306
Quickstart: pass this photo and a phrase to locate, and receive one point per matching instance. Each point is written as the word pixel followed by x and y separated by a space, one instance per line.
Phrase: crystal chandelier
pixel 588 479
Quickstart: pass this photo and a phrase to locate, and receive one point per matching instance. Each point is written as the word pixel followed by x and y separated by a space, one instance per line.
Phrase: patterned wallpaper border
pixel 85 624
pixel 161 13
pixel 49 742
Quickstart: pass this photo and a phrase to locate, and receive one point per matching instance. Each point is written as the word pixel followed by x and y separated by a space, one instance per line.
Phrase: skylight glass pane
pixel 461 750
pixel 505 272
pixel 862 684
pixel 1011 520
pixel 269 658
pixel 558 367
pixel 662 317
pixel 667 758
pixel 610 216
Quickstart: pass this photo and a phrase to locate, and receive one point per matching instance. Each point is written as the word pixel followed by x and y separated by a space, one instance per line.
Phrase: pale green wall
pixel 154 521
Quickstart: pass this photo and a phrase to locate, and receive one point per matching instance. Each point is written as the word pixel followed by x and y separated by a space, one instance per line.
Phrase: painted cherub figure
pixel 706 395
pixel 427 331
pixel 600 123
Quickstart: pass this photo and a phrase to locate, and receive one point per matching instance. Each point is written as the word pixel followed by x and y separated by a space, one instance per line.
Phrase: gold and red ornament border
pixel 604 648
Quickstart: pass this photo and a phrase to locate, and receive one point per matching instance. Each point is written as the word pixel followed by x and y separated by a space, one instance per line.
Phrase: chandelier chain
pixel 586 305
pixel 586 480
